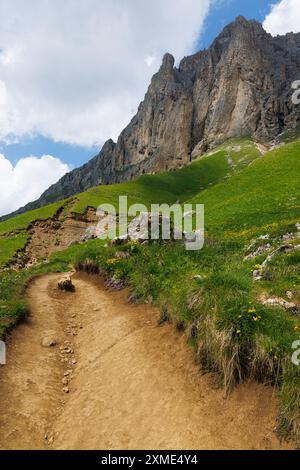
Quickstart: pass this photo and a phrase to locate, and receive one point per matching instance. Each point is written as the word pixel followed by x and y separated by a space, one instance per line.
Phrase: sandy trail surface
pixel 115 380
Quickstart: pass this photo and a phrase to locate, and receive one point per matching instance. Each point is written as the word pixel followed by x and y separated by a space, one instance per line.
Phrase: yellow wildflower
pixel 112 261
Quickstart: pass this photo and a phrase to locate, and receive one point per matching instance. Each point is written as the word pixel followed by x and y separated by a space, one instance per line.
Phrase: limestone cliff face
pixel 240 86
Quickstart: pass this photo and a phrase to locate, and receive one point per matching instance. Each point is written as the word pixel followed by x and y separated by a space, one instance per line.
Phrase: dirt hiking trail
pixel 115 380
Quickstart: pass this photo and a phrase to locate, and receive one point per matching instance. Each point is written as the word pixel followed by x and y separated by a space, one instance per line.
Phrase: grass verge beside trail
pixel 13 304
pixel 211 294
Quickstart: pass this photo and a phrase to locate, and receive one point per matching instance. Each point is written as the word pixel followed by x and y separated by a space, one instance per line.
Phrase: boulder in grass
pixel 66 285
pixel 278 302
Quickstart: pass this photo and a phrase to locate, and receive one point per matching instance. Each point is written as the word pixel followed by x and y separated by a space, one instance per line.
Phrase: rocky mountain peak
pixel 241 21
pixel 240 86
pixel 167 63
pixel 242 31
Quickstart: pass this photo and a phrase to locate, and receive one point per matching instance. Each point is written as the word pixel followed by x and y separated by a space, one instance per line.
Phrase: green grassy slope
pixel 161 188
pixel 10 245
pixel 267 191
pixel 177 185
pixel 21 222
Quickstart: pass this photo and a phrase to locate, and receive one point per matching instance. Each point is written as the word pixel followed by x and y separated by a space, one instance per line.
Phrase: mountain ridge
pixel 239 86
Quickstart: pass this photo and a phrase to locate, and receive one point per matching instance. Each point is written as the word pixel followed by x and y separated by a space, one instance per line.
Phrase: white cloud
pixel 76 70
pixel 150 60
pixel 283 18
pixel 27 180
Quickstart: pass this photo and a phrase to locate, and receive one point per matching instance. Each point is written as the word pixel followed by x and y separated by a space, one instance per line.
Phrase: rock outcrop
pixel 240 86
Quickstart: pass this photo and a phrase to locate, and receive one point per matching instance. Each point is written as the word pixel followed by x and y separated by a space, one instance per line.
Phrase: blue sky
pixel 73 73
pixel 74 155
